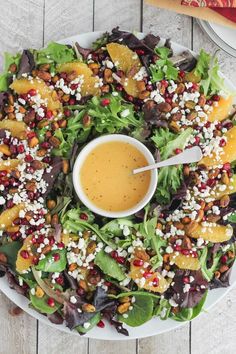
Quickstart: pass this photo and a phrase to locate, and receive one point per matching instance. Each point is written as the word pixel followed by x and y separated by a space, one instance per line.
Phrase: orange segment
pixel 9 165
pixel 17 129
pixel 228 154
pixel 89 86
pixel 124 58
pixel 137 273
pixel 23 264
pixel 221 111
pixel 230 189
pixel 23 85
pixel 8 215
pixel 213 232
pixel 185 262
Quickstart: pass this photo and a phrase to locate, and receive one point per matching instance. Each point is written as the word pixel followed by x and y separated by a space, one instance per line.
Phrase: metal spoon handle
pixel 193 154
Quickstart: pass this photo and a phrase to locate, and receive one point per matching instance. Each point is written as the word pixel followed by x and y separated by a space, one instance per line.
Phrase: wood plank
pixel 158 22
pixel 167 24
pixel 174 342
pixel 123 13
pixel 201 40
pixel 67 18
pixel 18 333
pixel 214 332
pixel 127 15
pixel 21 24
pixel 64 19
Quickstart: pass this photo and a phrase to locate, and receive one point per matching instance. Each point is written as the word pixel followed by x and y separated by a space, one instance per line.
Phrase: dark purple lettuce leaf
pixel 74 153
pixel 122 37
pixel 57 232
pixel 3 99
pixel 27 63
pixel 13 284
pixel 223 281
pixel 199 287
pixel 153 116
pixel 50 177
pixel 72 283
pixel 74 318
pixel 3 269
pixel 177 198
pixel 2 133
pixel 109 313
pixel 83 51
pixel 185 61
pixel 55 318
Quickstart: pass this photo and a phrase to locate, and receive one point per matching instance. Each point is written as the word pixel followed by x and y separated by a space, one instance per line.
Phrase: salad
pixel 82 269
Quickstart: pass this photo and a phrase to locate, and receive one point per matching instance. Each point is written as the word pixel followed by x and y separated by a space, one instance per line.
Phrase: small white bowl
pixel 83 155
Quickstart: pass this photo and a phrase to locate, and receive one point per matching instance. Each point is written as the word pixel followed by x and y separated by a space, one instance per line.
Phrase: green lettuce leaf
pixel 163 67
pixel 4 77
pixel 55 53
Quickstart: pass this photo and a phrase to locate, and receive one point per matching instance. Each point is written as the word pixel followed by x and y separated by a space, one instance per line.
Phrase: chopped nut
pixel 179 225
pixel 174 127
pixel 187 243
pixel 55 220
pixel 192 115
pixel 225 178
pixel 217 274
pixel 223 268
pixel 44 67
pixel 141 86
pixel 11 99
pixel 190 104
pixel 108 76
pixel 46 249
pixel 48 218
pixel 88 308
pixel 123 307
pixel 164 107
pixel 4 149
pixel 91 247
pixel 65 166
pixel 189 228
pixel 213 217
pixel 143 95
pixel 141 254
pixel 208 206
pixel 124 299
pixel 12 68
pixel 200 215
pixel 224 201
pixel 72 267
pixel 159 226
pixel 54 126
pixel 55 142
pixel 166 258
pixel 180 88
pixel 202 101
pixel 82 283
pixel 62 123
pixel 33 142
pixel 71 76
pixel 43 123
pixel 51 204
pixel 30 186
pixel 43 75
pixel 41 152
pixel 3 258
pixel 105 88
pixel 55 79
pixel 86 234
pixel 186 220
pixel 86 120
pixel 65 98
pixel 39 292
pixel 37 165
pixel 231 254
pixel 186 170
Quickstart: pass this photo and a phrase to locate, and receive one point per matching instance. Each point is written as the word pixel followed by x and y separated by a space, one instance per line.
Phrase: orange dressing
pixel 107 180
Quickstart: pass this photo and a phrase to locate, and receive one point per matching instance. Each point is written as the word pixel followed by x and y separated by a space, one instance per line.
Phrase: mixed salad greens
pixel 79 268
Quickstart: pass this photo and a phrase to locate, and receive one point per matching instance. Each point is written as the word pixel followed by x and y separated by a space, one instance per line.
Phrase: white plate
pixel 224 37
pixel 154 326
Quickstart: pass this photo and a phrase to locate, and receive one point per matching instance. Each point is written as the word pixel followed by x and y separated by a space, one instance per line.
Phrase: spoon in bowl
pixel 191 155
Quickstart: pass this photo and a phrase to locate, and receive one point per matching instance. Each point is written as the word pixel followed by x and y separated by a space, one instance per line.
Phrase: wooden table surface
pixel 33 23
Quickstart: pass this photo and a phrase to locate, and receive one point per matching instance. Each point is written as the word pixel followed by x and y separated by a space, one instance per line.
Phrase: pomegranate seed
pixel 222 143
pixel 51 241
pixel 24 96
pixel 51 302
pixel 182 74
pixel 47 159
pixel 211 182
pixel 215 98
pixel 60 245
pixel 105 102
pixel 17 221
pixel 138 262
pixel 74 86
pixel 140 51
pixel 13 149
pixel 24 254
pixel 28 158
pixel 60 280
pixel 20 149
pixel 32 125
pixel 169 100
pixel 93 272
pixel 114 254
pixel 32 92
pixel 34 240
pixel 227 166
pixel 186 280
pixel 72 101
pixel 38 118
pixel 194 87
pixel 80 291
pixel 49 114
pixel 194 254
pixel 197 140
pixel 31 135
pixel 45 145
pixel 224 259
pixel 147 274
pixel 155 282
pixel 107 283
pixel 228 125
pixel 208 124
pixel 63 75
pixel 6 183
pixel 178 151
pixel 35 260
pixel 203 186
pixel 10 204
pixel 16 235
pixel 185 252
pixel 164 83
pixel 56 257
pixel 83 216
pixel 67 112
pixel 6 141
pixel 101 324
pixel 30 195
pixel 129 98
pixel 177 248
pixel 3 173
pixel 209 102
pixel 119 87
pixel 120 260
pixel 149 87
